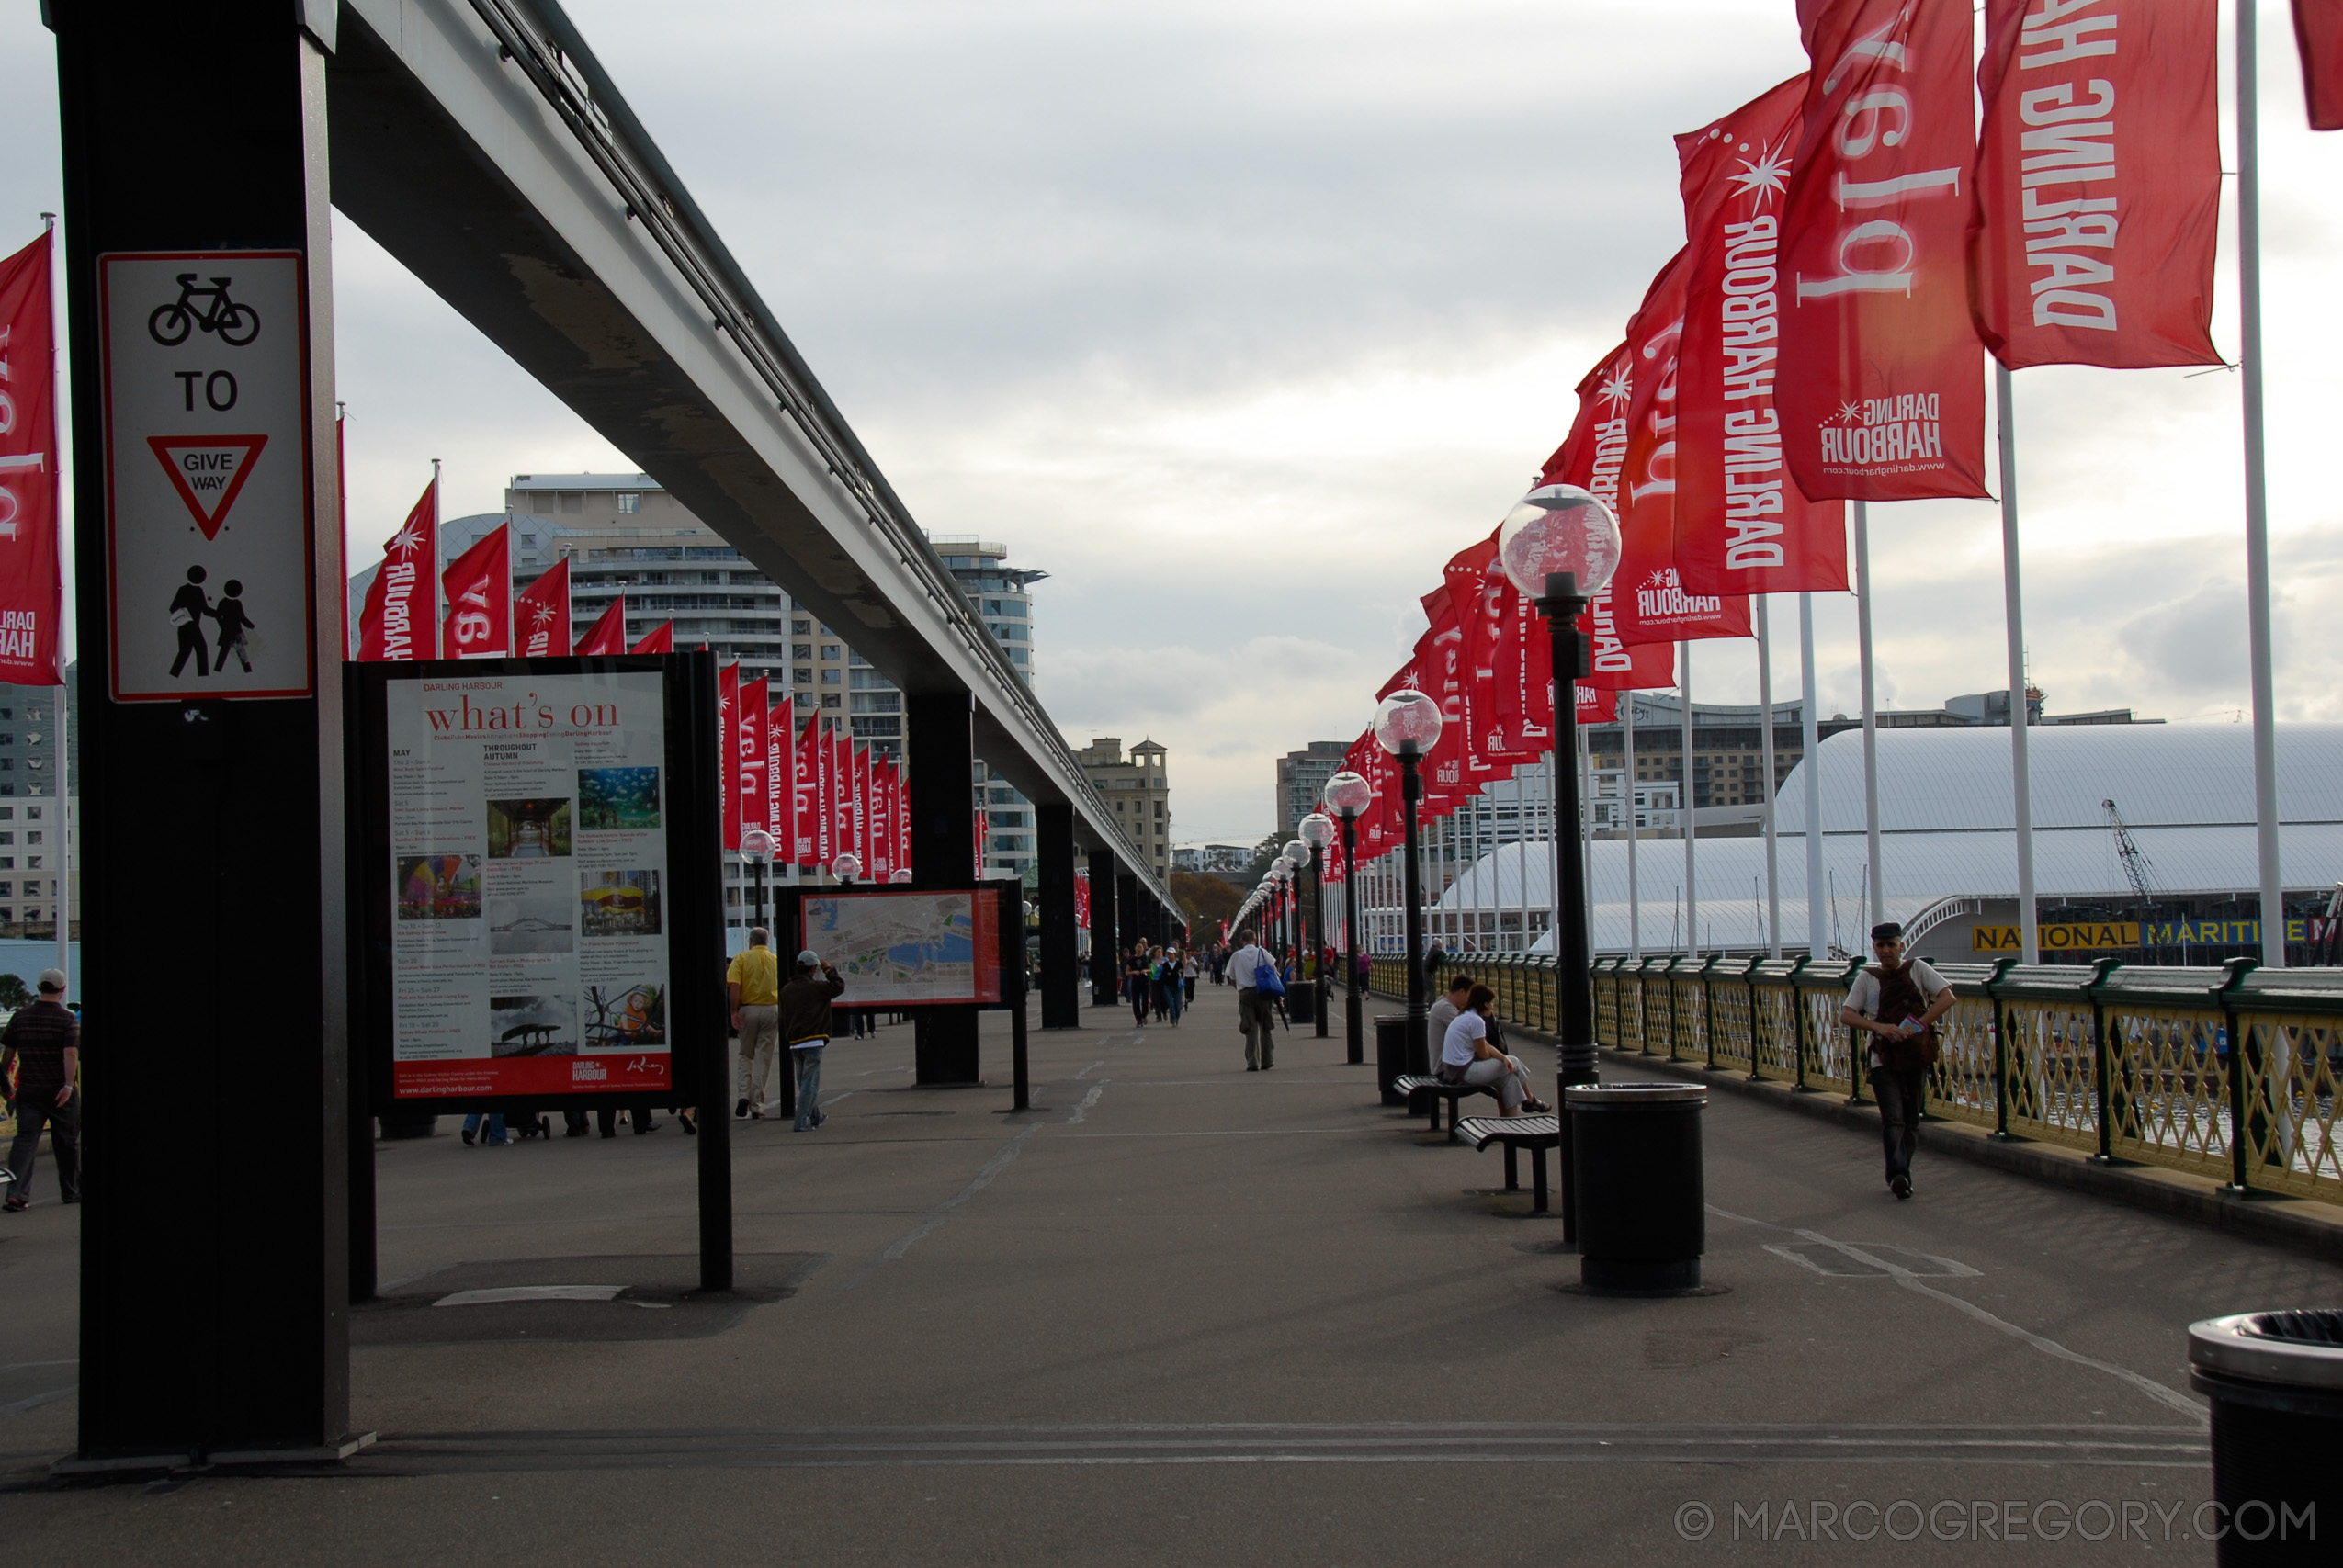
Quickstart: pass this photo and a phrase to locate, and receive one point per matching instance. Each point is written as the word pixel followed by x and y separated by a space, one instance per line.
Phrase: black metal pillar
pixel 1318 940
pixel 940 738
pixel 1106 960
pixel 1356 1055
pixel 1127 903
pixel 1061 995
pixel 1410 798
pixel 1573 984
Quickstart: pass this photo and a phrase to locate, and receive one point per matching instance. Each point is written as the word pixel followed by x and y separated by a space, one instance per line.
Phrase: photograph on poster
pixel 532 1026
pixel 437 888
pixel 528 829
pixel 617 799
pixel 619 903
pixel 626 1017
pixel 529 923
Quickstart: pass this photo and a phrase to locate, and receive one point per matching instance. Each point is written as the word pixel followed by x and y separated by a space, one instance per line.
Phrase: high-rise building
pixel 1138 791
pixel 1002 597
pixel 30 782
pixel 1301 781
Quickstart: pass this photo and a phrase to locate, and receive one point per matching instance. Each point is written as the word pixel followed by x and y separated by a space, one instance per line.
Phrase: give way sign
pixel 208 533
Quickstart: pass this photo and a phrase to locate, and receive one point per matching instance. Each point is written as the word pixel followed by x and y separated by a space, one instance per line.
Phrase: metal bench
pixel 1412 1084
pixel 1535 1133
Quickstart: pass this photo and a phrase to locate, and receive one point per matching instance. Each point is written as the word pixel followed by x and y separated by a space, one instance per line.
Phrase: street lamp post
pixel 1351 793
pixel 757 845
pixel 1297 856
pixel 1406 724
pixel 1559 546
pixel 1318 831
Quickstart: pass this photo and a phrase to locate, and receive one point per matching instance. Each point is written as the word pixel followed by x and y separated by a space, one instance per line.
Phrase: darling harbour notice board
pixel 530 826
pixel 910 946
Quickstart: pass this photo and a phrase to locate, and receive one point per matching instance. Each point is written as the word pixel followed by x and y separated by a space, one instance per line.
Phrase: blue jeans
pixel 1173 998
pixel 808 1063
pixel 495 1125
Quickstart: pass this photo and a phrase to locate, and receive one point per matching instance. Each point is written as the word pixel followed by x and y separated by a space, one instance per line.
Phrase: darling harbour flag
pixel 480 599
pixel 541 613
pixel 661 639
pixel 1741 525
pixel 728 704
pixel 2098 190
pixel 780 784
pixel 1882 395
pixel 31 589
pixel 608 633
pixel 749 753
pixel 2319 33
pixel 400 620
pixel 1592 457
pixel 805 774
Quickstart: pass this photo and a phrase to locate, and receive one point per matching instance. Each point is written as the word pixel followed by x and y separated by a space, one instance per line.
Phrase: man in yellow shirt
pixel 753 982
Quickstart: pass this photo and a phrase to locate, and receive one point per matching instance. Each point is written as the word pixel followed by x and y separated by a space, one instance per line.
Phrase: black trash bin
pixel 2276 1383
pixel 1301 1001
pixel 1391 1054
pixel 1635 1184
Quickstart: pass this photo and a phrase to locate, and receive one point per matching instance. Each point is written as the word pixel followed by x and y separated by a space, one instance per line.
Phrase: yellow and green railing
pixel 2230 1073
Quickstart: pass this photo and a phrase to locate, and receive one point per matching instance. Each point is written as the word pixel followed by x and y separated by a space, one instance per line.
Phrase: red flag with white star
pixel 1883 385
pixel 728 704
pixel 541 613
pixel 661 639
pixel 400 619
pixel 1741 525
pixel 608 633
pixel 748 754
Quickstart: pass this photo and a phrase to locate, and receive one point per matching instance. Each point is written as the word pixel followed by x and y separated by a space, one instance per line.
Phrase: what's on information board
pixel 530 819
pixel 908 946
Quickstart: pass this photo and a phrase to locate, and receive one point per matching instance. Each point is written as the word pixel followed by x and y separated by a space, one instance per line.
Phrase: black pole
pixel 1410 793
pixel 1574 987
pixel 1356 1054
pixel 1018 1072
pixel 759 864
pixel 1318 942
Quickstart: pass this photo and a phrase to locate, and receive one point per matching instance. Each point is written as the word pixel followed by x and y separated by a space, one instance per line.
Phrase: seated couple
pixel 1466 1023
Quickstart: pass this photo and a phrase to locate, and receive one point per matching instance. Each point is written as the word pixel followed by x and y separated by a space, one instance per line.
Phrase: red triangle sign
pixel 208 471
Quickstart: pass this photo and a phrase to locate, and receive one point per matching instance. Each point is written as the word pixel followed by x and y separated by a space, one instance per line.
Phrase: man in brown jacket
pixel 1897 1004
pixel 805 1030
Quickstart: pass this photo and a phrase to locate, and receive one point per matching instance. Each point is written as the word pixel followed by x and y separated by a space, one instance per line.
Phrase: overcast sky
pixel 1240 319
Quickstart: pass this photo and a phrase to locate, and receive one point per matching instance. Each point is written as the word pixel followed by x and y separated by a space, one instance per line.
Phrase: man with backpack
pixel 1897 1004
pixel 1254 973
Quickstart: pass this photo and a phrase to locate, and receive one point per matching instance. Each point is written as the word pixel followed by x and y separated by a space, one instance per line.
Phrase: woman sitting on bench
pixel 1469 1056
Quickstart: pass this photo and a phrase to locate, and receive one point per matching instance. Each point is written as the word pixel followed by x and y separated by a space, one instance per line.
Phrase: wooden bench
pixel 1435 1092
pixel 1535 1133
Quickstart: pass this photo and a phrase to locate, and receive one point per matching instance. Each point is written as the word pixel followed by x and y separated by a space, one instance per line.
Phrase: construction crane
pixel 2137 869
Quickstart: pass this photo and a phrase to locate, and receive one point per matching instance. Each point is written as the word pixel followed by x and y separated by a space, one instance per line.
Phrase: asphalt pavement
pixel 1179 1312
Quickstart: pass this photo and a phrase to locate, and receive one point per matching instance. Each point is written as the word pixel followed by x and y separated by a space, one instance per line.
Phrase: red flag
pixel 658 639
pixel 2098 184
pixel 748 754
pixel 806 773
pixel 903 828
pixel 841 793
pixel 542 611
pixel 728 705
pixel 882 839
pixel 860 762
pixel 32 592
pixel 1082 901
pixel 2318 35
pixel 608 633
pixel 480 599
pixel 400 620
pixel 1883 389
pixel 781 779
pixel 1596 704
pixel 1741 526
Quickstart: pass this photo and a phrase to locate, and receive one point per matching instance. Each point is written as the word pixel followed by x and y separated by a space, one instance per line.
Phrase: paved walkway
pixel 1184 1313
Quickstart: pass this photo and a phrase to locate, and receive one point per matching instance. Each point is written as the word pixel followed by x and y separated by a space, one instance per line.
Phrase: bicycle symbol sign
pixel 209 502
pixel 236 324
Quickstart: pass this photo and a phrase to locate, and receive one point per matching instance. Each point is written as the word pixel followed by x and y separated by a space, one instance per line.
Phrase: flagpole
pixel 2274 892
pixel 1627 788
pixel 67 849
pixel 1870 710
pixel 1810 736
pixel 2013 619
pixel 1586 821
pixel 1692 834
pixel 1765 763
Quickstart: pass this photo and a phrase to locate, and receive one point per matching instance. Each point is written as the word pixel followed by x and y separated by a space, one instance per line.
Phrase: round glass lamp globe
pixel 756 843
pixel 846 867
pixel 899 874
pixel 1298 853
pixel 1406 722
pixel 1558 528
pixel 1317 828
pixel 1349 793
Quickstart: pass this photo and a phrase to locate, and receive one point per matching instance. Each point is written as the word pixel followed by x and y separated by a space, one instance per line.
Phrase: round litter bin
pixel 2276 1383
pixel 1391 1054
pixel 1636 1185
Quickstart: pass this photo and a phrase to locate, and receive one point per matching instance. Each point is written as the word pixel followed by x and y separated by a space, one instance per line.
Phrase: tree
pixel 1207 900
pixel 1266 851
pixel 12 990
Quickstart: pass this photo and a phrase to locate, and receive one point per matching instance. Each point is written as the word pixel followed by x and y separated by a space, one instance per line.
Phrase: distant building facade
pixel 1301 781
pixel 30 827
pixel 1138 792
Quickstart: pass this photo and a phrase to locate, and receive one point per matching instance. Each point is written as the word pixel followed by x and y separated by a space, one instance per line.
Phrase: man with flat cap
pixel 1897 1003
pixel 43 1046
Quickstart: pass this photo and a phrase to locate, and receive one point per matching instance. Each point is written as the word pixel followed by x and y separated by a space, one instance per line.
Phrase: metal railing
pixel 2230 1073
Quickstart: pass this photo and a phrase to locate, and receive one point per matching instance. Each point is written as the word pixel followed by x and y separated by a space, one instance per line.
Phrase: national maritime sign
pixel 210 544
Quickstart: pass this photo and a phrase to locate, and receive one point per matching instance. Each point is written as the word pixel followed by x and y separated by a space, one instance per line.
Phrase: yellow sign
pixel 2095 938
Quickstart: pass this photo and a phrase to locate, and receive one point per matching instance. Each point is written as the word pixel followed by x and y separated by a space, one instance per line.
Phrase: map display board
pixel 907 947
pixel 529 876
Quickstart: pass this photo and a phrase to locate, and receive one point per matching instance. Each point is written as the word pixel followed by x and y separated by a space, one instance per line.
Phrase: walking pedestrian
pixel 753 984
pixel 43 1047
pixel 1897 1004
pixel 1137 975
pixel 1175 995
pixel 1188 968
pixel 494 1138
pixel 1248 967
pixel 803 1017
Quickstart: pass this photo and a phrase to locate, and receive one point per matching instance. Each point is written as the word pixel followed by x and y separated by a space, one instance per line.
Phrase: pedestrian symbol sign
pixel 210 554
pixel 208 471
